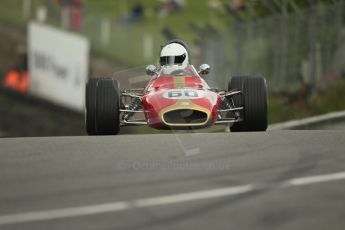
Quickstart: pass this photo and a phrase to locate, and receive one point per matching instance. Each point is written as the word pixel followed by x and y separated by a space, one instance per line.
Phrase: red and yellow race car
pixel 176 97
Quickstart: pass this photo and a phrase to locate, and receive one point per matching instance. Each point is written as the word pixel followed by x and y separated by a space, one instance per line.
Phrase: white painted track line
pixel 314 179
pixel 156 201
pixel 63 213
pixel 164 200
pixel 120 206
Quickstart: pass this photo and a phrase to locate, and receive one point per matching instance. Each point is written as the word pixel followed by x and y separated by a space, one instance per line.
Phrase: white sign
pixel 58 65
pixel 183 94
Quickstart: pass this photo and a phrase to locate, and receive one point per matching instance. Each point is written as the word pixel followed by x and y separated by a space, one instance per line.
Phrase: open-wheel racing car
pixel 176 97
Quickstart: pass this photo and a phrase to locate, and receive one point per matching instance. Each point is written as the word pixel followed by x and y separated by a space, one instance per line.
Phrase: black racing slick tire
pixel 102 107
pixel 90 106
pixel 237 83
pixel 254 103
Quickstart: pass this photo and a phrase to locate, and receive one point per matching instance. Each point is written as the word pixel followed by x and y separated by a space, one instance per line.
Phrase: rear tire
pixel 102 107
pixel 254 102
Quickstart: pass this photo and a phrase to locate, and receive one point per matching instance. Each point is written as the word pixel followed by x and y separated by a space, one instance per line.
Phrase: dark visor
pixel 172 60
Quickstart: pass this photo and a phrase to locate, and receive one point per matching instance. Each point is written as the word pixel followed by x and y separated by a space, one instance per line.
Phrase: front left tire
pixel 253 99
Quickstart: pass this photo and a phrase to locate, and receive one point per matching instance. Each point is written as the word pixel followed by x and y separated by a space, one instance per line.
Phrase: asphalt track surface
pixel 273 180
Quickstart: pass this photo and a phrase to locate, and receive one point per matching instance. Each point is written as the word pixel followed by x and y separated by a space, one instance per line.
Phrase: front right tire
pixel 102 108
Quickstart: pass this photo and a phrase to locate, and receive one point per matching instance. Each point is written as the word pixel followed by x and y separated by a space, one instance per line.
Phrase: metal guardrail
pixel 310 122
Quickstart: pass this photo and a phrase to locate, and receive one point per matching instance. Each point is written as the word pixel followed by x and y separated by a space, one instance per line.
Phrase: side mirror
pixel 151 70
pixel 204 69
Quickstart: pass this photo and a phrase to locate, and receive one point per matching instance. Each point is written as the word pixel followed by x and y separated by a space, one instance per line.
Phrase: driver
pixel 174 57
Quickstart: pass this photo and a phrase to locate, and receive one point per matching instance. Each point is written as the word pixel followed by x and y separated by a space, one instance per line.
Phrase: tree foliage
pixel 263 8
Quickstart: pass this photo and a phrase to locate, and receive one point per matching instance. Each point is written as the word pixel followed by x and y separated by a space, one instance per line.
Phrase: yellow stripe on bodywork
pixel 179 82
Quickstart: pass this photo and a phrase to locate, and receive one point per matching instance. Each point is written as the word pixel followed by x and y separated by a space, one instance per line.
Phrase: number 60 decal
pixel 183 94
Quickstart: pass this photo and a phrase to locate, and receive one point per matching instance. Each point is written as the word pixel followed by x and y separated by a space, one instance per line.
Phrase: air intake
pixel 187 116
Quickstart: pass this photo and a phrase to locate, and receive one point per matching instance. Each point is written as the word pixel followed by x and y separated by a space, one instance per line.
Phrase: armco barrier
pixel 310 122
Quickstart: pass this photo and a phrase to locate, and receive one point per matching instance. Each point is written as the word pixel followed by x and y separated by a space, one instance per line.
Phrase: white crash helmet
pixel 174 54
